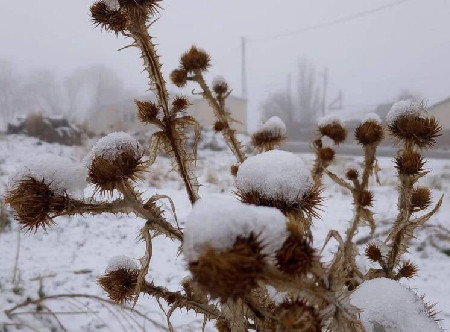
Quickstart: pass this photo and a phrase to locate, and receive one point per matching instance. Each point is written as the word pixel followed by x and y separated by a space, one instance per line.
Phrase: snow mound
pixel 371 117
pixel 121 262
pixel 275 174
pixel 274 125
pixel 401 108
pixel 112 145
pixel 62 175
pixel 388 306
pixel 217 221
pixel 329 119
pixel 112 4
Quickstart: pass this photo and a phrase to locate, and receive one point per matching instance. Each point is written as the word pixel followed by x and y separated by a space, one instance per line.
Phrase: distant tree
pixel 281 105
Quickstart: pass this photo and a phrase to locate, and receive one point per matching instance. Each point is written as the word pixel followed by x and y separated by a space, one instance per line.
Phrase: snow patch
pixel 217 221
pixel 219 80
pixel 112 145
pixel 275 174
pixel 388 306
pixel 327 142
pixel 62 175
pixel 112 4
pixel 329 119
pixel 274 125
pixel 121 263
pixel 401 108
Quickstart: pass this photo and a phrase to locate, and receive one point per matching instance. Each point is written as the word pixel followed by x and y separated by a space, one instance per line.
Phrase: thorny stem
pixel 142 38
pixel 219 111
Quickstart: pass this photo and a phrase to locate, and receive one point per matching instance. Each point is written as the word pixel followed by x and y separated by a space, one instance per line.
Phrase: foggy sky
pixel 370 59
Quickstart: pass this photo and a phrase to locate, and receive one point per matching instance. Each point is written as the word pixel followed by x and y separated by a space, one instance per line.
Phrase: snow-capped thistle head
pixel 44 189
pixel 114 161
pixel 120 279
pixel 369 131
pixel 278 179
pixel 219 85
pixel 179 77
pixel 270 136
pixel 297 316
pixel 228 244
pixel 333 128
pixel 195 59
pixel 409 122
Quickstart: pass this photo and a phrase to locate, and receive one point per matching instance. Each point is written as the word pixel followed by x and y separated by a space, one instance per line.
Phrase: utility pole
pixel 325 86
pixel 244 67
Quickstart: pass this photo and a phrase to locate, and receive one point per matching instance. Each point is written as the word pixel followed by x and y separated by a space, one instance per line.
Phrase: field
pixel 67 259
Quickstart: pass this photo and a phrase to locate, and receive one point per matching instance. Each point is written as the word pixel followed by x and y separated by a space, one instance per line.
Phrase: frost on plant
pixel 252 259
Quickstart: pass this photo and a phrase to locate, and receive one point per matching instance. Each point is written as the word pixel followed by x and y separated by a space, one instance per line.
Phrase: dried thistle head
pixel 195 59
pixel 352 174
pixel 147 111
pixel 326 154
pixel 231 273
pixel 234 169
pixel 296 255
pixel 407 270
pixel 373 252
pixel 179 77
pixel 115 161
pixel 219 126
pixel 369 132
pixel 416 129
pixel 180 104
pixel 120 282
pixel 334 130
pixel 271 135
pixel 365 198
pixel 34 203
pixel 420 199
pixel 298 316
pixel 107 18
pixel 220 86
pixel 409 163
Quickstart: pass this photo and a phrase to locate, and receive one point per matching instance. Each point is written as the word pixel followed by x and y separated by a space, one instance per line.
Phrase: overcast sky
pixel 371 59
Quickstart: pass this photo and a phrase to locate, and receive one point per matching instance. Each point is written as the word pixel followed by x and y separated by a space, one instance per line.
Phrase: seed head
pixel 120 284
pixel 369 132
pixel 296 256
pixel 180 104
pixel 416 129
pixel 298 316
pixel 335 131
pixel 365 198
pixel 147 111
pixel 220 87
pixel 179 77
pixel 373 252
pixel 326 154
pixel 409 163
pixel 108 19
pixel 420 199
pixel 34 203
pixel 408 270
pixel 195 59
pixel 232 273
pixel 219 126
pixel 352 174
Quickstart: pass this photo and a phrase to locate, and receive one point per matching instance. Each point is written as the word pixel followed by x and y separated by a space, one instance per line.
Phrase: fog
pixel 371 57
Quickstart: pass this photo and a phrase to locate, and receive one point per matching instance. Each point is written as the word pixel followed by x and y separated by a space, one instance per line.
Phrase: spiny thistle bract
pixel 147 111
pixel 409 163
pixel 420 199
pixel 195 59
pixel 179 77
pixel 369 132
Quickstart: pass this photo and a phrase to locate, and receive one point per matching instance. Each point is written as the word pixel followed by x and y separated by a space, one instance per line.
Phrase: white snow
pixel 61 174
pixel 329 119
pixel 218 80
pixel 217 221
pixel 327 142
pixel 402 107
pixel 112 145
pixel 275 174
pixel 112 4
pixel 121 262
pixel 274 125
pixel 371 117
pixel 388 306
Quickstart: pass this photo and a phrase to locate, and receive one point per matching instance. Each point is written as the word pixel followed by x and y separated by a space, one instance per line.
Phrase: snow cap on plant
pixel 195 59
pixel 409 122
pixel 369 131
pixel 120 279
pixel 228 245
pixel 332 127
pixel 114 161
pixel 219 85
pixel 43 189
pixel 271 134
pixel 278 179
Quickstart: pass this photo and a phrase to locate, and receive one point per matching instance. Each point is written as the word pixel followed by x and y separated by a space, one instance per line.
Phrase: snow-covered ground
pixel 69 257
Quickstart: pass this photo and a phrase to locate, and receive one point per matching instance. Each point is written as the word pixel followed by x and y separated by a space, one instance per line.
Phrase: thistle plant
pixel 253 260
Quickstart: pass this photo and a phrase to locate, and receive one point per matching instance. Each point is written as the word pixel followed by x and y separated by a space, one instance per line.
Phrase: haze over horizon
pixel 371 58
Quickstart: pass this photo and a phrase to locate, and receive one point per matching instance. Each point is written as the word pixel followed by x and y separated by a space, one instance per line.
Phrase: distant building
pixel 441 111
pixel 123 116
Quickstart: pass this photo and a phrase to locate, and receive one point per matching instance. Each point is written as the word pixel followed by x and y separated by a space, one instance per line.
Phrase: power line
pixel 340 20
